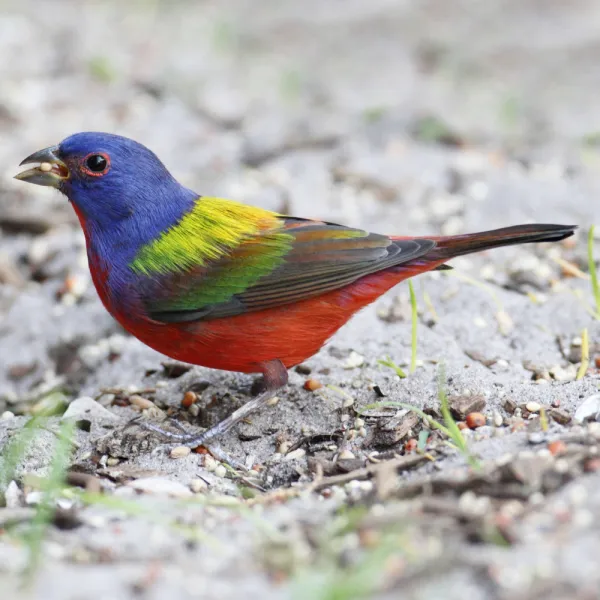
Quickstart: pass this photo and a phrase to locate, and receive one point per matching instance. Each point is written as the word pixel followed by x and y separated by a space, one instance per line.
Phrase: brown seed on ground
pixel 475 420
pixel 189 398
pixel 410 445
pixel 312 385
pixel 597 361
pixel 557 447
pixel 140 402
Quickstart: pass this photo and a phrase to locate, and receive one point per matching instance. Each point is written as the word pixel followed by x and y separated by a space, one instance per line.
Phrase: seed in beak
pixel 46 167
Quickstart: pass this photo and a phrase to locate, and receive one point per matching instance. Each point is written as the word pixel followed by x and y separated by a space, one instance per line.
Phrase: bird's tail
pixel 456 245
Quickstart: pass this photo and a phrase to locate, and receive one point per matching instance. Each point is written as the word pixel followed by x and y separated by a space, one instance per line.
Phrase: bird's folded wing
pixel 290 260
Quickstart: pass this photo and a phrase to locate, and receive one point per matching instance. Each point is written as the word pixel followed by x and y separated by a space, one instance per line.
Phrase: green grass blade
pixel 413 306
pixel 593 272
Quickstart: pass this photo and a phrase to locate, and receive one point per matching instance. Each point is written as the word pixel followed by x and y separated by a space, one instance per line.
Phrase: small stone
pixel 362 431
pixel 312 385
pixel 533 407
pixel 466 403
pixel 221 471
pixel 194 410
pixel 180 452
pixel 198 486
pixel 560 416
pixel 298 453
pixel 346 455
pixel 6 415
pixel 475 420
pixel 210 464
pixel 498 420
pixel 303 369
pixel 358 423
pixel 594 429
pixel 273 401
pixel 112 461
pixel 160 485
pixel 284 446
pixel 354 361
pixel 509 406
pixel 87 408
pixel 13 496
pixel 140 402
pixel 189 398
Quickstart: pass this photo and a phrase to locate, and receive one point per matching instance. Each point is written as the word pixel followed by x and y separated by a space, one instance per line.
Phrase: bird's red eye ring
pixel 96 164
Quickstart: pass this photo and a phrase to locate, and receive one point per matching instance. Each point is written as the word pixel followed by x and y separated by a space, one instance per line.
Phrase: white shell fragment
pixel 589 409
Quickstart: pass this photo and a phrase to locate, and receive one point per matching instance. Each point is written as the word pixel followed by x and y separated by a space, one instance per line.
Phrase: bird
pixel 218 283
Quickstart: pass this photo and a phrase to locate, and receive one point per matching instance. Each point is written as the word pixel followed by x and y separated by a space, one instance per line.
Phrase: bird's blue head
pixel 114 183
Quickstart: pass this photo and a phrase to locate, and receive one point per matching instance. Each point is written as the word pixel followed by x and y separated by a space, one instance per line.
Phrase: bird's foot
pixel 275 377
pixel 191 439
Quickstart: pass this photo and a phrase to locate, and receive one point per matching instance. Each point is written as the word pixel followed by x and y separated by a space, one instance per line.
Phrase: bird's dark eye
pixel 96 164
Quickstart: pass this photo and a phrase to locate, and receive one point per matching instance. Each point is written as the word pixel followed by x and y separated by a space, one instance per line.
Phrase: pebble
pixel 346 455
pixel 298 453
pixel 354 361
pixel 112 461
pixel 6 415
pixel 358 423
pixel 160 485
pixel 180 452
pixel 498 420
pixel 273 401
pixel 594 429
pixel 87 408
pixel 13 496
pixel 533 407
pixel 210 464
pixel 221 471
pixel 194 410
pixel 348 402
pixel 198 486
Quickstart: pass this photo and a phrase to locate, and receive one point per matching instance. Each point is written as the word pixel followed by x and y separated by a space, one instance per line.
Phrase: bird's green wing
pixel 223 259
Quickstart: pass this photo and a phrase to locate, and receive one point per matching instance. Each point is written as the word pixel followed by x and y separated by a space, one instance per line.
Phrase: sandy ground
pixel 403 117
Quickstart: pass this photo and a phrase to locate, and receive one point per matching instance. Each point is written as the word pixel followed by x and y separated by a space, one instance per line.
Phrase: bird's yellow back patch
pixel 209 231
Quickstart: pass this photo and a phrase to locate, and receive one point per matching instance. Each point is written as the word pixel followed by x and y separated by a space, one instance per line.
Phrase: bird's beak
pixel 51 171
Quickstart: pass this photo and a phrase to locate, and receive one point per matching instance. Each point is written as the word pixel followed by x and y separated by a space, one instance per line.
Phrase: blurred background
pixel 401 116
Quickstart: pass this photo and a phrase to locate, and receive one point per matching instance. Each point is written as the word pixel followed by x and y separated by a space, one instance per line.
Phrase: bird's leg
pixel 274 378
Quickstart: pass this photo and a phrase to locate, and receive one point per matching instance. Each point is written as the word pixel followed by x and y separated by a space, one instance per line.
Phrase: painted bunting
pixel 221 284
